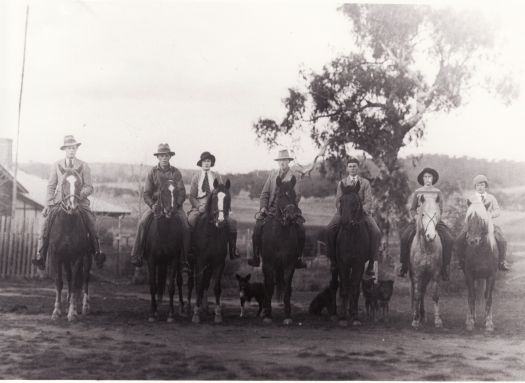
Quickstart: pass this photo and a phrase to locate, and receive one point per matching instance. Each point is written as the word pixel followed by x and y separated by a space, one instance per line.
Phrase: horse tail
pixel 279 285
pixel 162 273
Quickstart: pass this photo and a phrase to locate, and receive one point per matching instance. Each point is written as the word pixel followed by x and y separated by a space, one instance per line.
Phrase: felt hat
pixel 69 140
pixel 283 155
pixel 433 172
pixel 481 178
pixel 164 149
pixel 206 156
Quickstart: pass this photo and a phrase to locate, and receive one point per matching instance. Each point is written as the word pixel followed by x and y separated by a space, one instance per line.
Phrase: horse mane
pixel 478 210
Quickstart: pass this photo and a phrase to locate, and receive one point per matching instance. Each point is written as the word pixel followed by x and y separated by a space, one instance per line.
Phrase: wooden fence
pixel 16 251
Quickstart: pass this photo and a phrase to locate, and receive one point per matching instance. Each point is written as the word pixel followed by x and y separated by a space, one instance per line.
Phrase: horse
pixel 162 251
pixel 210 239
pixel 280 248
pixel 352 247
pixel 69 246
pixel 426 257
pixel 481 261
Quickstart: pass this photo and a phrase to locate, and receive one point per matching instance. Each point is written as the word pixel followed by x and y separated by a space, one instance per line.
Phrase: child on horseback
pixel 268 208
pixel 151 195
pixel 365 194
pixel 427 178
pixel 200 189
pixel 54 198
pixel 481 183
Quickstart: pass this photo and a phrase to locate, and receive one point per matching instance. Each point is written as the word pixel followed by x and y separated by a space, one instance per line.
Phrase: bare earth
pixel 116 341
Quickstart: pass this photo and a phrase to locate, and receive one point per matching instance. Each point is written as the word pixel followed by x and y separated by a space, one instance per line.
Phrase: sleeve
pixel 52 185
pixel 495 211
pixel 338 195
pixel 412 205
pixel 265 193
pixel 149 188
pixel 194 191
pixel 441 201
pixel 367 200
pixel 181 190
pixel 87 189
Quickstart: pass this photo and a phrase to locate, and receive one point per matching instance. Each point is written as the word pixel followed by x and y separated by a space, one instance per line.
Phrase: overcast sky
pixel 123 76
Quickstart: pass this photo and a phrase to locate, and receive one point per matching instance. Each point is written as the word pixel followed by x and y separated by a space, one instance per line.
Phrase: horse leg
pixel 423 290
pixel 69 278
pixel 217 276
pixel 288 276
pixel 471 302
pixel 86 269
pixel 75 285
pixel 355 283
pixel 344 293
pixel 269 286
pixel 191 284
pixel 171 290
pixel 489 324
pixel 435 297
pixel 416 301
pixel 59 284
pixel 199 292
pixel 152 274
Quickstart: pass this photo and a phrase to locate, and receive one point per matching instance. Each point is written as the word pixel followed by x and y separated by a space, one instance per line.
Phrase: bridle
pixel 65 197
pixel 354 222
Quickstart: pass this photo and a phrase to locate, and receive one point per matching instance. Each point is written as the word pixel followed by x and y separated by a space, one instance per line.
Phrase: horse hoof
pixel 86 310
pixel 170 319
pixel 438 323
pixel 333 318
pixel 151 319
pixel 356 322
pixel 218 319
pixel 55 316
pixel 489 328
pixel 267 320
pixel 343 323
pixel 71 317
pixel 196 319
pixel 288 321
pixel 415 324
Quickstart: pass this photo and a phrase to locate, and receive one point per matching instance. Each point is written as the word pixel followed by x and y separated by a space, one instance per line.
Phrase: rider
pixel 54 197
pixel 427 178
pixel 151 196
pixel 201 185
pixel 365 194
pixel 481 183
pixel 268 208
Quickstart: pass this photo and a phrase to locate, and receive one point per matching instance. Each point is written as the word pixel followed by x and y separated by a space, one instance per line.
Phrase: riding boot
pixel 301 234
pixel 404 255
pixel 232 246
pixel 99 257
pixel 40 258
pixel 502 250
pixel 330 249
pixel 255 260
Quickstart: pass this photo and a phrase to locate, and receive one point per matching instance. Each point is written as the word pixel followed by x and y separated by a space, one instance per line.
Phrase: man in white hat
pixel 54 197
pixel 151 195
pixel 200 189
pixel 481 183
pixel 267 207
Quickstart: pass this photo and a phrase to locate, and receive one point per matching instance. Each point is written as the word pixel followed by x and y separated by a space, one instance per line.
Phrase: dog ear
pixel 215 183
pixel 227 185
pixel 293 181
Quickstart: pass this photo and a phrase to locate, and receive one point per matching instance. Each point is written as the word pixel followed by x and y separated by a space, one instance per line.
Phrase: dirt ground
pixel 117 342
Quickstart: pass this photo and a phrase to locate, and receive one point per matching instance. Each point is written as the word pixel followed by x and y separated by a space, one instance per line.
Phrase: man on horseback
pixel 200 189
pixel 268 208
pixel 427 178
pixel 151 196
pixel 54 198
pixel 365 194
pixel 481 183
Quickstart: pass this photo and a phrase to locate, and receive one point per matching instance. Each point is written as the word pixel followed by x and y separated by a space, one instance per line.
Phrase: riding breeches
pixel 408 234
pixel 144 223
pixel 373 232
pixel 461 244
pixel 257 236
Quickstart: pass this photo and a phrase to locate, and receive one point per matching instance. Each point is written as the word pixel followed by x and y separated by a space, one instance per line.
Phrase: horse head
pixel 219 203
pixel 286 201
pixel 167 199
pixel 350 205
pixel 479 224
pixel 428 216
pixel 71 186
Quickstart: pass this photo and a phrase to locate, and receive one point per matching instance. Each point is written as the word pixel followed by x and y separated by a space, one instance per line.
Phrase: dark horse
pixel 162 250
pixel 481 261
pixel 210 238
pixel 279 248
pixel 352 244
pixel 69 246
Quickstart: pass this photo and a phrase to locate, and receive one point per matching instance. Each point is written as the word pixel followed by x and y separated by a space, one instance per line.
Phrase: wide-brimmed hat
pixel 480 178
pixel 164 149
pixel 69 140
pixel 435 175
pixel 283 155
pixel 206 156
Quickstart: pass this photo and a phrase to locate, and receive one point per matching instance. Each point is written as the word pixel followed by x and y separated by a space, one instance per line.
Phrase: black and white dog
pixel 248 290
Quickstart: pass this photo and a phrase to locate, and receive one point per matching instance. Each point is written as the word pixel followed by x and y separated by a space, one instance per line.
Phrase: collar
pixel 282 173
pixel 163 170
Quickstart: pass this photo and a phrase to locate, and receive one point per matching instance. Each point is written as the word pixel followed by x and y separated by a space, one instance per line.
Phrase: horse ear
pixel 238 277
pixel 278 181
pixel 421 198
pixel 227 185
pixel 293 181
pixel 437 199
pixel 248 277
pixel 357 186
pixel 346 189
pixel 215 183
pixel 80 168
pixel 469 203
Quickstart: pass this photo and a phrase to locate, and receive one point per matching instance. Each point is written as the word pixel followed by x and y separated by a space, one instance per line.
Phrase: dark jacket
pixel 151 189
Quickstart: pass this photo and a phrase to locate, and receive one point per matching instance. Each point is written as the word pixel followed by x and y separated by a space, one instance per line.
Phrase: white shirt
pixel 200 193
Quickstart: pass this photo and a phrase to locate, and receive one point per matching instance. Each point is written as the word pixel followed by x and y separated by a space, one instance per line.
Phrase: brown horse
pixel 69 247
pixel 210 238
pixel 280 242
pixel 425 260
pixel 162 250
pixel 481 261
pixel 352 244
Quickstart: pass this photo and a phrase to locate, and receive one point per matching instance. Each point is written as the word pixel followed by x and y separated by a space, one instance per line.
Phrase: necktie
pixel 70 163
pixel 483 198
pixel 205 183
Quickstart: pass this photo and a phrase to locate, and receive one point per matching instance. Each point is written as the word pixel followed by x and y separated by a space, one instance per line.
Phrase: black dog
pixel 325 299
pixel 385 290
pixel 248 290
pixel 377 295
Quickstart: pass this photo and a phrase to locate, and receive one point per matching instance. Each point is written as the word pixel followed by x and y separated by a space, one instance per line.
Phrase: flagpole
pixel 13 203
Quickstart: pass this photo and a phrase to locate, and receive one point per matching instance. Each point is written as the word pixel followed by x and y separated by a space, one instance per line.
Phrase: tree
pixel 409 61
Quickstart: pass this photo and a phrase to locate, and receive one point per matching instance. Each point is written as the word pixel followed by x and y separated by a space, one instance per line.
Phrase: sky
pixel 124 76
